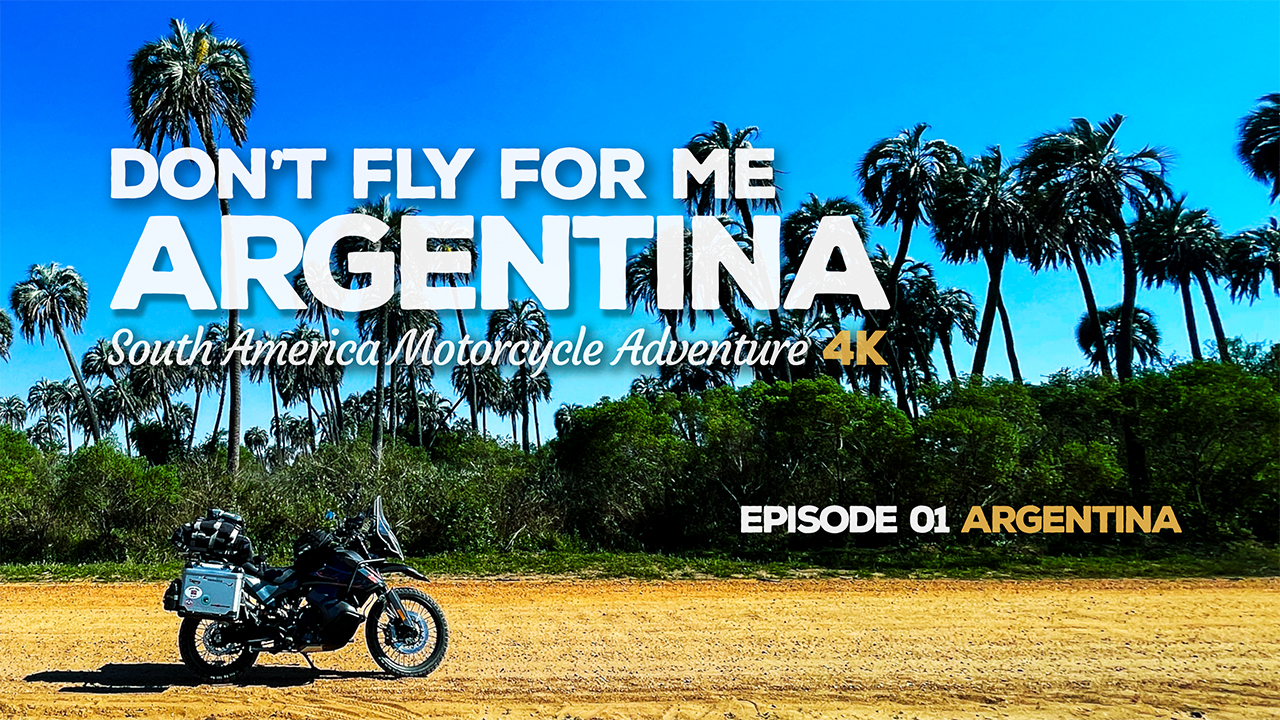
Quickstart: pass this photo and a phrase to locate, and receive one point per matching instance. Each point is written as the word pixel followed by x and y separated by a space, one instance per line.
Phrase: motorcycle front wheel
pixel 408 649
pixel 205 652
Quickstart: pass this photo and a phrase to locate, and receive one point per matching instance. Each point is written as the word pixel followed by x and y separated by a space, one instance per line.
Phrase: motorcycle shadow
pixel 115 678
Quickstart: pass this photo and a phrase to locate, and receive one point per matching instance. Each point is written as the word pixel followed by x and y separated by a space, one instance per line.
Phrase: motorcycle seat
pixel 273 574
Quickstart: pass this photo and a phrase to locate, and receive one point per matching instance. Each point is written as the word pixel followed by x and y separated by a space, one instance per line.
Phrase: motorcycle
pixel 234 606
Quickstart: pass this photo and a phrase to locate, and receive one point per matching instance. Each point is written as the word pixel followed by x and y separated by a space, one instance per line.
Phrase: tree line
pixel 664 471
pixel 1071 199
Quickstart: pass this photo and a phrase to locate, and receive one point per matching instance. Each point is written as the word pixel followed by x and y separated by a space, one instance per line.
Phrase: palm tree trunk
pixel 376 443
pixel 913 396
pixel 899 380
pixel 166 404
pixel 275 413
pixel 222 396
pixel 394 400
pixel 417 407
pixel 875 376
pixel 1135 451
pixel 946 353
pixel 1184 284
pixel 71 444
pixel 336 423
pixel 1129 266
pixel 524 412
pixel 995 270
pixel 775 320
pixel 327 406
pixel 515 437
pixel 1092 306
pixel 311 417
pixel 75 370
pixel 126 407
pixel 1219 335
pixel 537 434
pixel 900 258
pixel 738 322
pixel 1008 343
pixel 195 418
pixel 233 321
pixel 471 371
pixel 926 369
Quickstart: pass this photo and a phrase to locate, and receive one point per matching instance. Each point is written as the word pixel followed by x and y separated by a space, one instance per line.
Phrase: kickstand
pixel 308 659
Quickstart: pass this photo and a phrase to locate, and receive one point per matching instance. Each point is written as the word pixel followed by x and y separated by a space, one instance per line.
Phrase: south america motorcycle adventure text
pixel 234 606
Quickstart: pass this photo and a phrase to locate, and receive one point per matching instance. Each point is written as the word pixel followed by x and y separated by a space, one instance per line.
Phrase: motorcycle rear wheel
pixel 204 653
pixel 408 651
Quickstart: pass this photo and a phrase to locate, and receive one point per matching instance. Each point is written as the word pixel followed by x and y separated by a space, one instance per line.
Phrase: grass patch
pixel 1245 559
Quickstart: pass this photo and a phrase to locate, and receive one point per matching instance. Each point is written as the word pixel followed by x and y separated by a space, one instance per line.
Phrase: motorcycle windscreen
pixel 382 530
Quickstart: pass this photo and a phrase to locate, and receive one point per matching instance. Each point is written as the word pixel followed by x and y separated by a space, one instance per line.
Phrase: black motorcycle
pixel 234 606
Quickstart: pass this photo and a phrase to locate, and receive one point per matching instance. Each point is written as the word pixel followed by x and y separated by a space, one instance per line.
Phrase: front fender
pixel 403 570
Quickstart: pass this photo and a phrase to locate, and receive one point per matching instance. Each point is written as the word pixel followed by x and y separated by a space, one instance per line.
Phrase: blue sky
pixel 822 81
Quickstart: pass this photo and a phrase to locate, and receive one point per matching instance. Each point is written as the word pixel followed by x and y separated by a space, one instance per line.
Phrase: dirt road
pixel 735 649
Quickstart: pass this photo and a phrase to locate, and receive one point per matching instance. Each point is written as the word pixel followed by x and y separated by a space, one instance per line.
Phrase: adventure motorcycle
pixel 234 606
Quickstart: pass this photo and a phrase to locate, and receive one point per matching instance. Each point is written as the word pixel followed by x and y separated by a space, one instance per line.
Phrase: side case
pixel 211 592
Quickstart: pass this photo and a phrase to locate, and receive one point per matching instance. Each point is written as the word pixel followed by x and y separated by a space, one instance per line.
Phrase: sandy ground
pixel 712 649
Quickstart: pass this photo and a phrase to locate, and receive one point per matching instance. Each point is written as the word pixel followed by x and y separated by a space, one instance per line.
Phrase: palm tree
pixel 900 177
pixel 1077 239
pixel 13 411
pixel 94 365
pixel 564 417
pixel 506 404
pixel 398 322
pixel 216 334
pixel 700 198
pixel 539 389
pixel 520 321
pixel 201 377
pixel 109 403
pixel 815 332
pixel 55 298
pixel 798 229
pixel 490 389
pixel 154 385
pixel 6 334
pixel 1259 147
pixel 649 387
pixel 391 216
pixel 1080 170
pixel 467 245
pixel 44 434
pixel 909 328
pixel 1146 336
pixel 1174 245
pixel 257 440
pixel 981 212
pixel 642 289
pixel 271 373
pixel 1250 256
pixel 191 78
pixel 298 383
pixel 316 311
pixel 955 310
pixel 685 378
pixel 52 398
pixel 642 286
pixel 434 410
